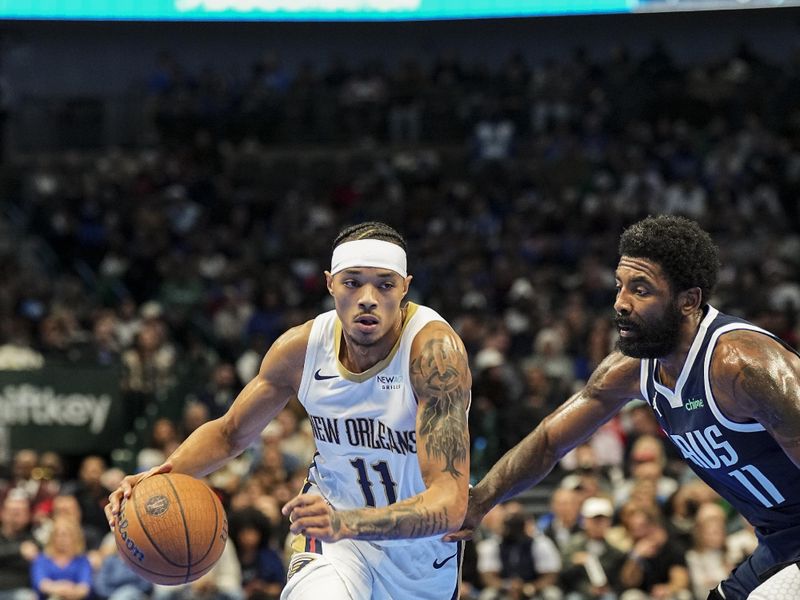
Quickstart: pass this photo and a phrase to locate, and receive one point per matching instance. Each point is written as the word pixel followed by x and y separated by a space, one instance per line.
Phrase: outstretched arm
pixel 756 377
pixel 614 382
pixel 440 376
pixel 215 442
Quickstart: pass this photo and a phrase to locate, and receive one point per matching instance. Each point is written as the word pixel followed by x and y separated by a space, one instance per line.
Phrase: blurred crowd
pixel 181 260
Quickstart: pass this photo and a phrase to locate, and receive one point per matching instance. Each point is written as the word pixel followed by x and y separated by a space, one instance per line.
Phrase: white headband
pixel 369 253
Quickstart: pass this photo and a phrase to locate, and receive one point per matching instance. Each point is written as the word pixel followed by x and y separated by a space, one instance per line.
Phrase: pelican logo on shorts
pixel 156 505
pixel 299 560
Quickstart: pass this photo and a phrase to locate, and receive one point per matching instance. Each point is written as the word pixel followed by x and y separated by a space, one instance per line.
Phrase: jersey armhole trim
pixel 712 404
pixel 310 357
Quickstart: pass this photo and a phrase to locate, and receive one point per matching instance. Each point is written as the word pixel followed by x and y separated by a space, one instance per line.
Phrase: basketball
pixel 172 529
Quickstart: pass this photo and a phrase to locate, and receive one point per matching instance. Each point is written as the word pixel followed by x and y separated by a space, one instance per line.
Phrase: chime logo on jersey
pixel 694 404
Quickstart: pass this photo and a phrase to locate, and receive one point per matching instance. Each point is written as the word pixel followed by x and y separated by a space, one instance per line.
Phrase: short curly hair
pixel 684 251
pixel 370 230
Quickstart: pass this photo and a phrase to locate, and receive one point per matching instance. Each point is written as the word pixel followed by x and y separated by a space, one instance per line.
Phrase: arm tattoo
pixel 440 377
pixel 336 522
pixel 409 519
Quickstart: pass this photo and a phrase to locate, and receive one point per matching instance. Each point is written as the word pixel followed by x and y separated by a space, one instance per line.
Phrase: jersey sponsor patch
pixel 389 382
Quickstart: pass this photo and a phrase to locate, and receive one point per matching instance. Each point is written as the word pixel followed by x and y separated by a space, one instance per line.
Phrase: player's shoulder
pixel 617 374
pixel 742 348
pixel 289 350
pixel 434 333
pixel 437 345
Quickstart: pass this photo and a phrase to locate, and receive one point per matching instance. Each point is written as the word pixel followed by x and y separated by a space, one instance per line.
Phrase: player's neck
pixel 672 364
pixel 358 358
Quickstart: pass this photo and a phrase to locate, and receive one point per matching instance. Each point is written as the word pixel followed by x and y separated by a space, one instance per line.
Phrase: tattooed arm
pixel 441 380
pixel 756 377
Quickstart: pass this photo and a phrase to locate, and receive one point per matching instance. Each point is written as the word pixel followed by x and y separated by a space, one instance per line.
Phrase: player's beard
pixel 651 340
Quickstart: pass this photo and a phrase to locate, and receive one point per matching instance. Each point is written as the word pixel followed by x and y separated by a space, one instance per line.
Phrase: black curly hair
pixel 684 251
pixel 249 518
pixel 370 230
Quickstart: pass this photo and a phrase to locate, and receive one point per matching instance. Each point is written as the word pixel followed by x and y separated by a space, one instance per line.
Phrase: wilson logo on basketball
pixel 131 546
pixel 156 505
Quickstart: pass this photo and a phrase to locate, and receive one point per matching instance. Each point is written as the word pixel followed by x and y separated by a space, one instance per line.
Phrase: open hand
pixel 123 492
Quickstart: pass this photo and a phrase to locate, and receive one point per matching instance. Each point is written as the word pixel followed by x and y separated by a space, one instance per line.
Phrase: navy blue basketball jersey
pixel 741 461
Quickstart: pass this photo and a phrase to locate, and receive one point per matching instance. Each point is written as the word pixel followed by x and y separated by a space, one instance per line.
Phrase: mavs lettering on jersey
pixel 741 461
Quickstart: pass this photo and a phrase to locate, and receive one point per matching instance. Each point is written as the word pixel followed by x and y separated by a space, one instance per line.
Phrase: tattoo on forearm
pixel 407 520
pixel 336 522
pixel 440 375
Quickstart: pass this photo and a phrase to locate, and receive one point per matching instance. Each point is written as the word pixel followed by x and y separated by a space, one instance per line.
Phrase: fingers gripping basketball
pixel 172 529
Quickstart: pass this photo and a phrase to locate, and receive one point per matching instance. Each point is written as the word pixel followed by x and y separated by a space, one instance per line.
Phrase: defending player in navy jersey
pixel 386 385
pixel 726 393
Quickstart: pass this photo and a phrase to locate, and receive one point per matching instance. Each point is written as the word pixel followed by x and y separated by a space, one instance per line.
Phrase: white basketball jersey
pixel 364 424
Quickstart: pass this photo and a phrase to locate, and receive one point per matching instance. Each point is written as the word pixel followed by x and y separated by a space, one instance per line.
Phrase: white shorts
pixel 784 585
pixel 426 569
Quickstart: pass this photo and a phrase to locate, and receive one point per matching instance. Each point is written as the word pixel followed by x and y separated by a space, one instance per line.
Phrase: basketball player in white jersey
pixel 386 386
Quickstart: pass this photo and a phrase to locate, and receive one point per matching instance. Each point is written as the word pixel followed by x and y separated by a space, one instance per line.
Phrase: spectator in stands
pixel 519 562
pixel 222 582
pixel 561 523
pixel 406 90
pixel 164 439
pixel 114 580
pixel 682 509
pixel 707 560
pixel 90 493
pixel 63 570
pixel 651 566
pixel 591 564
pixel 638 420
pixel 17 547
pixel 221 390
pixel 67 506
pixel 584 472
pixel 23 463
pixel 647 461
pixel 494 136
pixel 741 542
pixel 263 573
pixel 194 414
pixel 550 355
pixel 52 471
pixel 26 477
pixel 59 335
pixel 148 365
pixel 106 347
pixel 16 346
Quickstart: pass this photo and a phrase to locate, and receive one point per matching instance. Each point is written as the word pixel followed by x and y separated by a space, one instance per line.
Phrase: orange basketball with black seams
pixel 172 529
